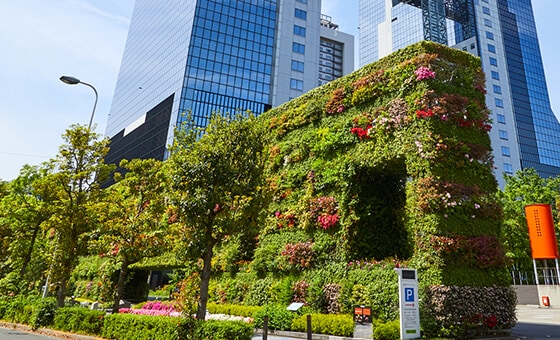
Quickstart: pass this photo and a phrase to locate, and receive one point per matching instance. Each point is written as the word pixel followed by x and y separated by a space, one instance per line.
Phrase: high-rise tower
pixel 525 132
pixel 204 56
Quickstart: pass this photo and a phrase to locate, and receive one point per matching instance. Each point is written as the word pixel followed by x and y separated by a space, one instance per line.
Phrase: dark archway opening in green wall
pixel 380 199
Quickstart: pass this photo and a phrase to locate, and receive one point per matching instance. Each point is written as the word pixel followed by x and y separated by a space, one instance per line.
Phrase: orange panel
pixel 541 231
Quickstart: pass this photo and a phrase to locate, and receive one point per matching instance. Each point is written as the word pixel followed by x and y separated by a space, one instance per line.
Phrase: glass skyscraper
pixel 525 132
pixel 204 56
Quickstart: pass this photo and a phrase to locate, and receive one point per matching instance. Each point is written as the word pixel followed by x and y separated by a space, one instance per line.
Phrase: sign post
pixel 408 303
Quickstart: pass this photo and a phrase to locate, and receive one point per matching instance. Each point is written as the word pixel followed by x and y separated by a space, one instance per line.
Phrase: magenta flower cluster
pixel 327 221
pixel 154 308
pixel 424 72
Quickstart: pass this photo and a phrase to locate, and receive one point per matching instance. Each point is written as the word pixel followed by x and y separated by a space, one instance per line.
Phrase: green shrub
pixel 79 320
pixel 228 309
pixel 141 327
pixel 19 310
pixel 279 318
pixel 332 324
pixel 43 312
pixel 259 292
pixel 387 331
pixel 223 330
pixel 28 310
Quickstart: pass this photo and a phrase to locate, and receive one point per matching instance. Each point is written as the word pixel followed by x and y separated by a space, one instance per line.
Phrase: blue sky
pixel 42 40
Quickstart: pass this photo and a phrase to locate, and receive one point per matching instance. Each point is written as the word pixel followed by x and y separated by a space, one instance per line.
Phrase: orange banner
pixel 541 231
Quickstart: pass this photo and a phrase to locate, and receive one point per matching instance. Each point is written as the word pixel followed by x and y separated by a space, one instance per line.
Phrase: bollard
pixel 265 327
pixel 309 333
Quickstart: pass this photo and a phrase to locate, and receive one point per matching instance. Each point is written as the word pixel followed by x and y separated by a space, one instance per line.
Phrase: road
pixel 14 334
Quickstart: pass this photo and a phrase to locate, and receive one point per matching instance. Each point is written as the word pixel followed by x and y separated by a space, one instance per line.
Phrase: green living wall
pixel 392 161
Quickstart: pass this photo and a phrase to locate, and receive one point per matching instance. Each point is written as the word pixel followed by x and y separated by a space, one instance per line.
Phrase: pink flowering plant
pixel 154 308
pixel 325 210
pixel 424 72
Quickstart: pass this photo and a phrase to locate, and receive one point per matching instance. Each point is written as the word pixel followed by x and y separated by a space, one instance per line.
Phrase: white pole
pixel 536 272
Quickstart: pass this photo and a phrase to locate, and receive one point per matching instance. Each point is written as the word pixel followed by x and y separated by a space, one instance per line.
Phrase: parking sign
pixel 409 294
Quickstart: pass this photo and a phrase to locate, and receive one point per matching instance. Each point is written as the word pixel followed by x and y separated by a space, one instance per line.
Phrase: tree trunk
pixel 61 295
pixel 27 257
pixel 204 281
pixel 120 285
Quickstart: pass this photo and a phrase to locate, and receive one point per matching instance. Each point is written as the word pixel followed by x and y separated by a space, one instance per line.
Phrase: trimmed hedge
pixel 147 327
pixel 33 311
pixel 279 318
pixel 79 320
pixel 340 325
pixel 387 331
pixel 141 327
pixel 223 330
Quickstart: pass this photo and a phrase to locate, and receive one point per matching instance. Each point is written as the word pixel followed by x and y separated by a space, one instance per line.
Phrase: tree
pixel 216 187
pixel 73 188
pixel 132 218
pixel 524 188
pixel 22 212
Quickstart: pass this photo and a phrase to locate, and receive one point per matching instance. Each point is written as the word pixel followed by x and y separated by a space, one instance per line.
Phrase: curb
pixel 299 335
pixel 47 332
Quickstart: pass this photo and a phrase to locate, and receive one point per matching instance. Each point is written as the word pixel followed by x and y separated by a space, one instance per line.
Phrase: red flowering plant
pixel 300 289
pixel 336 103
pixel 480 324
pixel 368 87
pixel 299 255
pixel 484 251
pixel 285 220
pixel 325 210
pixel 456 109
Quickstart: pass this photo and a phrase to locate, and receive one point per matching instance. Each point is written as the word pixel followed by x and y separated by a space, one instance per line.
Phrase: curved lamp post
pixel 73 81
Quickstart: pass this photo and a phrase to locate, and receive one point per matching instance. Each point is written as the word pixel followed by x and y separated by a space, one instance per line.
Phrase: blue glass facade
pixel 538 130
pixel 229 65
pixel 525 133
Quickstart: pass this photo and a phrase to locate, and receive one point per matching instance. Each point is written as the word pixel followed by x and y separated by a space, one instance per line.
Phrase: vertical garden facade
pixel 392 165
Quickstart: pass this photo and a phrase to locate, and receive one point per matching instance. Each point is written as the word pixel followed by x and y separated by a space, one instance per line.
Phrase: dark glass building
pixel 204 56
pixel 525 133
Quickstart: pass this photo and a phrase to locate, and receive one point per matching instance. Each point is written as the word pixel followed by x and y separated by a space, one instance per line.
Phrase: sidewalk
pixel 536 323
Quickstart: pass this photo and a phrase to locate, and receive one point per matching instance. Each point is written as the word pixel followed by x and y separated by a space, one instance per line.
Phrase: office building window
pixel 296 84
pixel 301 14
pixel 503 135
pixel 495 75
pixel 297 66
pixel 491 48
pixel 493 61
pixel 299 30
pixel 497 89
pixel 501 118
pixel 298 48
pixel 487 23
pixel 489 35
pixel 505 151
pixel 508 168
pixel 499 102
pixel 302 1
pixel 485 10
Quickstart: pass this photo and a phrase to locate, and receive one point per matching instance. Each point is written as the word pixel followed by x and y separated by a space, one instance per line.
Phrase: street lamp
pixel 73 81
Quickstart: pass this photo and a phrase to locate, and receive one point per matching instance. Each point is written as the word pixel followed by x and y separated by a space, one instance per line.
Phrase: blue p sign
pixel 409 294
